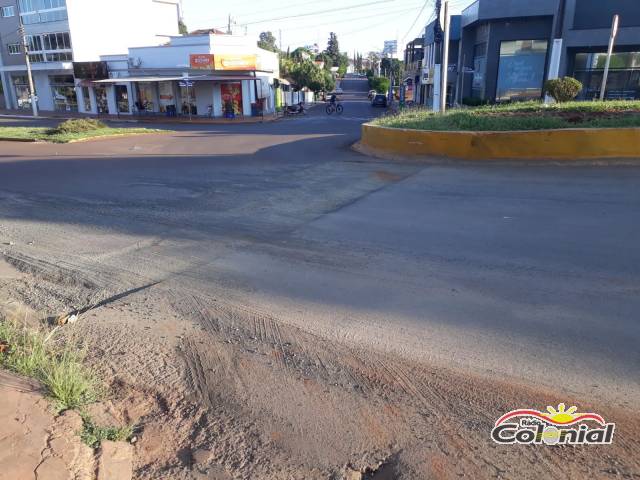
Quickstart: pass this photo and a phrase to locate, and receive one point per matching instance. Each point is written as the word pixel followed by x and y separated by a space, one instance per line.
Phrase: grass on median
pixel 68 131
pixel 60 369
pixel 521 116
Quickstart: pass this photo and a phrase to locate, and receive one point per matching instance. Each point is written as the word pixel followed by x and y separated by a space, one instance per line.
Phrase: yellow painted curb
pixel 562 144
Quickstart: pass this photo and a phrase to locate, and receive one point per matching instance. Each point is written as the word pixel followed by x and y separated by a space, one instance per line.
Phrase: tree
pixel 333 48
pixel 182 28
pixel 267 41
pixel 380 84
pixel 390 67
pixel 308 74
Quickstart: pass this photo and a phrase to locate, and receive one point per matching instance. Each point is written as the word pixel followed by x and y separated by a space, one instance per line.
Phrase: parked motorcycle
pixel 295 110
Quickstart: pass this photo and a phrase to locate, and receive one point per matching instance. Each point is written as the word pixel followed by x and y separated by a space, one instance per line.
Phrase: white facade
pixel 90 29
pixel 109 28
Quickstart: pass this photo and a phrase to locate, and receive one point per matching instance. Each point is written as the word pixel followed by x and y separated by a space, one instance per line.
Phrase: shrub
pixel 79 125
pixel 563 89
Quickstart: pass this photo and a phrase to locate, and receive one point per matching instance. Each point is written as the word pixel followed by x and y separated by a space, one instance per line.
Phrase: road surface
pixel 322 289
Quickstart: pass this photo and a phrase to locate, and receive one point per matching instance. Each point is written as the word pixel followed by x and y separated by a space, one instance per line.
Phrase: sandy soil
pixel 222 391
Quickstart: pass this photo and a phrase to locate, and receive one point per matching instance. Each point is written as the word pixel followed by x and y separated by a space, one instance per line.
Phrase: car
pixel 380 100
pixel 372 93
pixel 339 90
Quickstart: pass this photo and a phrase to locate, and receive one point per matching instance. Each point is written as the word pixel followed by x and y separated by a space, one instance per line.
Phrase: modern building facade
pixel 61 32
pixel 506 47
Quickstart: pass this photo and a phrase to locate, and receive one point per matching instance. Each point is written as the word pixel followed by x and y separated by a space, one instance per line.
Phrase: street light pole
pixel 445 59
pixel 612 39
pixel 25 47
pixel 437 77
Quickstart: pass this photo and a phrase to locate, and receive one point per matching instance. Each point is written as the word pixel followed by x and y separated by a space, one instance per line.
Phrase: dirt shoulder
pixel 221 391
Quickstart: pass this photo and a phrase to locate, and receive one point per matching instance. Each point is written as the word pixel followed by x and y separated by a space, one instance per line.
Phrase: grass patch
pixel 59 368
pixel 521 116
pixel 68 131
pixel 93 435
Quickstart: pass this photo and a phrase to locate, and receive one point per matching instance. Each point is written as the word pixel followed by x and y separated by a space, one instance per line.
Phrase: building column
pixel 6 87
pixel 246 97
pixel 112 106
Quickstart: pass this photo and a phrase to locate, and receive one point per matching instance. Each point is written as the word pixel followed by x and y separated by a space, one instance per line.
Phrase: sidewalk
pixel 151 118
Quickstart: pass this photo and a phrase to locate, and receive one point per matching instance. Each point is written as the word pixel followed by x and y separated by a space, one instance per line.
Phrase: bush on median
pixel 78 125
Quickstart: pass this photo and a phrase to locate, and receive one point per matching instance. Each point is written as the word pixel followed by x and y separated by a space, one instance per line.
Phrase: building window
pixel 42 11
pixel 21 86
pixel 86 96
pixel 6 12
pixel 479 68
pixel 623 81
pixel 64 93
pixel 14 49
pixel 521 70
pixel 50 47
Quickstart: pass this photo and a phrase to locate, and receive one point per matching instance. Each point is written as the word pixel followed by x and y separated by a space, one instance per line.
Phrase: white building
pixel 60 32
pixel 206 75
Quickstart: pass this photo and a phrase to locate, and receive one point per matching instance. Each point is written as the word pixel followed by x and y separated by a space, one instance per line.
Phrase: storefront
pixel 63 93
pixel 623 80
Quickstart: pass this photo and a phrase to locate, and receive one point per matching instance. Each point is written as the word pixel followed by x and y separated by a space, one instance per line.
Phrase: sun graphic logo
pixel 561 426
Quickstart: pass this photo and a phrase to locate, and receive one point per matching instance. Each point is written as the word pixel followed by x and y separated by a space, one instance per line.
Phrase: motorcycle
pixel 295 110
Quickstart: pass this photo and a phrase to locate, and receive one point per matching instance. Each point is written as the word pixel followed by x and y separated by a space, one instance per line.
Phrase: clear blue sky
pixel 361 25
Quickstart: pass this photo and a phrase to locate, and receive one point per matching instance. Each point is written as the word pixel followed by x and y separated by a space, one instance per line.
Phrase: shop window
pixel 122 98
pixel 521 70
pixel 102 104
pixel 86 97
pixel 623 81
pixel 21 86
pixel 64 93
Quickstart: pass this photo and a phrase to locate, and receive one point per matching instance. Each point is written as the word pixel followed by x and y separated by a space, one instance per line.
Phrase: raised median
pixel 525 131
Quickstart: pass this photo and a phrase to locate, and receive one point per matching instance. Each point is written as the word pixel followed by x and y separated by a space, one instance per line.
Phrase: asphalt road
pixel 529 273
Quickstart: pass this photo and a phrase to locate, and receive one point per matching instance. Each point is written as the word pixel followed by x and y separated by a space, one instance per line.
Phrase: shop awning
pixel 222 78
pixel 142 79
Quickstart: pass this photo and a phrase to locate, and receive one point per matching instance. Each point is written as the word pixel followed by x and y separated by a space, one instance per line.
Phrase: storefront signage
pixel 235 62
pixel 91 70
pixel 201 61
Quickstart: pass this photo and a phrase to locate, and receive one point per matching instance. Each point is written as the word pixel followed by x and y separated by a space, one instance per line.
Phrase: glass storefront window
pixel 64 93
pixel 521 70
pixel 86 97
pixel 146 97
pixel 623 81
pixel 188 96
pixel 21 85
pixel 122 98
pixel 101 99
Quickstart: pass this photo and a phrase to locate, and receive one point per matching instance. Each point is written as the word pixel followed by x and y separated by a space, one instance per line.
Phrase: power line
pixel 416 20
pixel 348 20
pixel 360 5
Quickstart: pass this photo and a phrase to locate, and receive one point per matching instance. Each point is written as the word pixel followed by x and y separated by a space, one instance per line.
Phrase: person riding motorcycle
pixel 333 99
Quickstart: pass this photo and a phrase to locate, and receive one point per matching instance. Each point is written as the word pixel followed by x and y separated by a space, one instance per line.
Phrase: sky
pixel 361 25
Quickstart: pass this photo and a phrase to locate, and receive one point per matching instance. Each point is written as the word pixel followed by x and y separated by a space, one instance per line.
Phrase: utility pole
pixel 229 32
pixel 32 92
pixel 445 58
pixel 437 78
pixel 280 35
pixel 612 39
pixel 556 49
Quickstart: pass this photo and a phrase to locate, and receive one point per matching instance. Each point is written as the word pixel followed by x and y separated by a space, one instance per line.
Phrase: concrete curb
pixel 562 144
